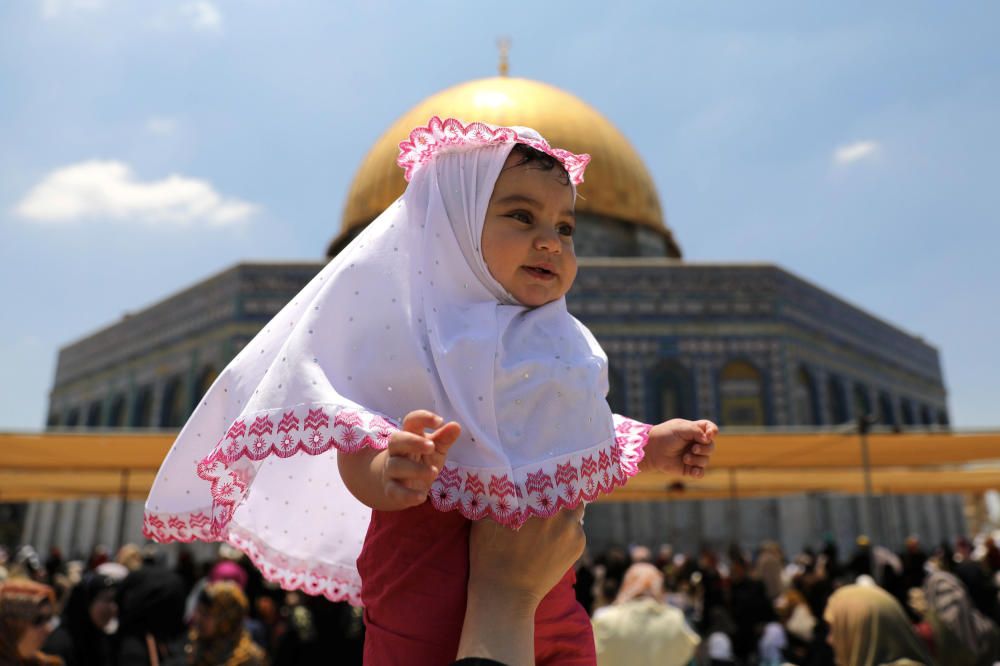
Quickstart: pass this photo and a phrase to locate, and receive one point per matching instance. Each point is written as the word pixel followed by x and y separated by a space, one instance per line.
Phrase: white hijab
pixel 406 317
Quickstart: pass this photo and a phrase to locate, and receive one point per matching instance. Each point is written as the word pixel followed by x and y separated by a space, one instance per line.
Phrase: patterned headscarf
pixel 230 644
pixel 948 598
pixel 407 316
pixel 22 604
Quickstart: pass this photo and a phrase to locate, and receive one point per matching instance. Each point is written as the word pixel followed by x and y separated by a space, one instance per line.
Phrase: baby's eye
pixel 521 216
pixel 566 229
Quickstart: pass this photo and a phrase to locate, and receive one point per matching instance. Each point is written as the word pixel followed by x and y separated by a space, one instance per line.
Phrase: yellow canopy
pixel 24 486
pixel 768 483
pixel 84 450
pixel 61 465
pixel 781 449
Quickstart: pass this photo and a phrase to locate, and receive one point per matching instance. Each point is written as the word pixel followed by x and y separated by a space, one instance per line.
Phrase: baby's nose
pixel 547 242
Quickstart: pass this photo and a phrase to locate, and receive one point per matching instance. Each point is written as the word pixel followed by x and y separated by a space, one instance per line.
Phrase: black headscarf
pixel 151 601
pixel 151 604
pixel 77 640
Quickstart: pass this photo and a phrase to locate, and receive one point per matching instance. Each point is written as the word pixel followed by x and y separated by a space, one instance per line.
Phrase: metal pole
pixel 735 502
pixel 672 515
pixel 864 423
pixel 124 512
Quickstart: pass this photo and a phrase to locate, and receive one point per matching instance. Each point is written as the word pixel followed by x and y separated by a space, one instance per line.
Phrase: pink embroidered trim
pixel 425 142
pixel 349 430
pixel 290 573
pixel 581 477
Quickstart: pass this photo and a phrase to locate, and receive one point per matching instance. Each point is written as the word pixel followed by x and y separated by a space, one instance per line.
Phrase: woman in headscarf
pixel 218 637
pixel 639 629
pixel 83 638
pixel 151 629
pixel 27 609
pixel 719 642
pixel 953 618
pixel 868 627
pixel 770 567
pixel 806 635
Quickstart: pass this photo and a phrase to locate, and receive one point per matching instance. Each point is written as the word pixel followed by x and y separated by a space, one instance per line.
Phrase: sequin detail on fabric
pixel 290 573
pixel 310 429
pixel 562 483
pixel 439 135
pixel 313 430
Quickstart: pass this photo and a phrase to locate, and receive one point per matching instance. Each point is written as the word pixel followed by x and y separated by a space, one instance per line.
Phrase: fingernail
pixel 695 449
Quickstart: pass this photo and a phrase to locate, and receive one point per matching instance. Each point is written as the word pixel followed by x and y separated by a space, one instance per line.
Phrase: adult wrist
pixel 499 625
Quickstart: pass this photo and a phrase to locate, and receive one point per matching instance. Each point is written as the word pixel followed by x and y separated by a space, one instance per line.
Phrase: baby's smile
pixel 541 271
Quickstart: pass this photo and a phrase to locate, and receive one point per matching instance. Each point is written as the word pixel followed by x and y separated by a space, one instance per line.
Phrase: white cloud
pixel 161 125
pixel 854 152
pixel 108 189
pixel 52 9
pixel 203 15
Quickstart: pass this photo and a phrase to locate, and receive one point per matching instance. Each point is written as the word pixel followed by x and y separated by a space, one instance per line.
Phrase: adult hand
pixel 509 574
pixel 680 447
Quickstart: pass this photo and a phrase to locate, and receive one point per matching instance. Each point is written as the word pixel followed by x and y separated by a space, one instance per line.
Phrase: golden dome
pixel 616 184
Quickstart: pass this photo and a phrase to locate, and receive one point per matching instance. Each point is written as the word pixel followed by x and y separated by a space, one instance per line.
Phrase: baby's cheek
pixel 571 271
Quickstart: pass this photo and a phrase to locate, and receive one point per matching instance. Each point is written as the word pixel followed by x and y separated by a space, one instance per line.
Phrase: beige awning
pixel 93 464
pixel 722 483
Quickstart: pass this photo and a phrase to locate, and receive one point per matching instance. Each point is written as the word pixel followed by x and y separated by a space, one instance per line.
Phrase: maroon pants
pixel 415 568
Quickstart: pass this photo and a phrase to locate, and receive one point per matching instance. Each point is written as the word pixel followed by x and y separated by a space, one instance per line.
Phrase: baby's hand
pixel 414 459
pixel 680 447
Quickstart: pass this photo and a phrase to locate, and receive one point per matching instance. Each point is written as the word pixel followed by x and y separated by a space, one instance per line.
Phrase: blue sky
pixel 145 146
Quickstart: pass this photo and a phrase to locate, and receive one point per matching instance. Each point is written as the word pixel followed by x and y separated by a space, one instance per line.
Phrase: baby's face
pixel 527 238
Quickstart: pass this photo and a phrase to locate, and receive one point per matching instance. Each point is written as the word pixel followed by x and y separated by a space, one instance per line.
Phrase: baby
pixel 448 309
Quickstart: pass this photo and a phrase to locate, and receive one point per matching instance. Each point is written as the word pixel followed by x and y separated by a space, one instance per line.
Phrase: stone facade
pixel 149 369
pixel 742 344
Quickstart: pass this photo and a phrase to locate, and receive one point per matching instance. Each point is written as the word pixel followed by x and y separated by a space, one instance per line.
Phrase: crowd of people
pixel 131 609
pixel 815 609
pixel 937 607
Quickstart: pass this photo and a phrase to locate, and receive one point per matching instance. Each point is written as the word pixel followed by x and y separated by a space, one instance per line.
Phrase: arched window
pixel 838 404
pixel 742 395
pixel 53 420
pixel 886 414
pixel 616 390
pixel 906 410
pixel 73 417
pixel 206 378
pixel 94 414
pixel 925 416
pixel 142 410
pixel 862 404
pixel 173 409
pixel 804 399
pixel 669 393
pixel 116 416
pixel 943 418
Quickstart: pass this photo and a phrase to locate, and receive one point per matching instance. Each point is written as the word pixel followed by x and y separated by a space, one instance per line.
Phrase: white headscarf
pixel 406 317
